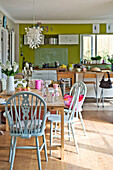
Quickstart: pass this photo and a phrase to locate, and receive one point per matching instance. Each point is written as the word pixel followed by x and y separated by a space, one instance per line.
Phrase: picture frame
pixel 96 28
pixel 109 28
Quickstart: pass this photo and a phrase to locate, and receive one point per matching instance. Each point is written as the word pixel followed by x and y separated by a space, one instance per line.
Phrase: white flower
pixel 8 63
pixel 9 67
pixel 15 68
pixel 3 67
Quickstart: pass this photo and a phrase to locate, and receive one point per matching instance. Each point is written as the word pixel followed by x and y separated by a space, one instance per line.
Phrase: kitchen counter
pixel 54 74
pixel 90 88
pixel 57 69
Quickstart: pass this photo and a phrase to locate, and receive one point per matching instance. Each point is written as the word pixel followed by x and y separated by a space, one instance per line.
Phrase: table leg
pixel 62 134
pixel 7 126
pixel 1 132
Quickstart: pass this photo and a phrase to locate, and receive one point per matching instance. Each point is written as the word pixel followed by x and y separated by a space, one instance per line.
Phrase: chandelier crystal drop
pixel 34 36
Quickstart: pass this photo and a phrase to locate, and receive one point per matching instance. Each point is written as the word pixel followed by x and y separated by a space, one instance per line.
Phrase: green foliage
pixel 110 60
pixel 93 58
pixel 9 73
pixel 96 58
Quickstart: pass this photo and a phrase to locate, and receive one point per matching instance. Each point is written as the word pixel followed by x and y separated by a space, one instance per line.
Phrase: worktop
pixel 53 74
pixel 90 88
pixel 57 69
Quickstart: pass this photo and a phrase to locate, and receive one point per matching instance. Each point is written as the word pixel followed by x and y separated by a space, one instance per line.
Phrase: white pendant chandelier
pixel 34 34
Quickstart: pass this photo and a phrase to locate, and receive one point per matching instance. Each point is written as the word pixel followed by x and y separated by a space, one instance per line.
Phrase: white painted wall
pixel 11 25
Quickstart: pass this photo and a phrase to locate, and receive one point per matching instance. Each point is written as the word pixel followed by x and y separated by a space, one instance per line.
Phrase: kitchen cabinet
pixel 68 39
pixel 45 74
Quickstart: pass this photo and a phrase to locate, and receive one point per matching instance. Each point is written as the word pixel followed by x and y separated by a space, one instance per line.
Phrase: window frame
pixel 81 44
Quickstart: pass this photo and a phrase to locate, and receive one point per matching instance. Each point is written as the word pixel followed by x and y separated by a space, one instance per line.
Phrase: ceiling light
pixel 34 34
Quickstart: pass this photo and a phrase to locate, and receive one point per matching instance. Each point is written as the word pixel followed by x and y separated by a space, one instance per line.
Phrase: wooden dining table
pixel 51 106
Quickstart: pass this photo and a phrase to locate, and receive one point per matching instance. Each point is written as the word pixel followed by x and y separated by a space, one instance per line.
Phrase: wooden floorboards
pixel 96 150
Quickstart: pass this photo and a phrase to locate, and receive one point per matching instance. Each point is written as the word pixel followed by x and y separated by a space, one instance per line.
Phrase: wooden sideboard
pixel 67 74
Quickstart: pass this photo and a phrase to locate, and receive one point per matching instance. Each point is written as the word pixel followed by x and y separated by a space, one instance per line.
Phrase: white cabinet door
pixel 69 39
pixel 45 74
pixel 52 75
pixel 40 74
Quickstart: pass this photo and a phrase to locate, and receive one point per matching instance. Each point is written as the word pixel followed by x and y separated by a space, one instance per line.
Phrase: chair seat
pixel 57 118
pixel 28 126
pixel 89 82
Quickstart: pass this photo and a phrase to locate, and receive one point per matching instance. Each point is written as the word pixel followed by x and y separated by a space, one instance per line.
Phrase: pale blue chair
pixel 26 121
pixel 69 119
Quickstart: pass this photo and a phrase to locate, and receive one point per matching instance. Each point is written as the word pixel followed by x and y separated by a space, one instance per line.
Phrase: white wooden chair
pixel 83 91
pixel 69 119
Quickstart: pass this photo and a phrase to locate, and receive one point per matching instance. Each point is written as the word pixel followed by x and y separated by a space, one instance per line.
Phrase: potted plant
pixel 9 70
pixel 94 60
pixel 111 61
pixel 98 59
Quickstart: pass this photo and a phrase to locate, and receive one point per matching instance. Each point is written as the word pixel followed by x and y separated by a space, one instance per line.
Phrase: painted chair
pixel 68 119
pixel 83 91
pixel 26 121
pixel 92 81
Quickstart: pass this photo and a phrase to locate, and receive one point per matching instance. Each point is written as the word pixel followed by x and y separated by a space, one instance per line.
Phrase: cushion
pixel 68 99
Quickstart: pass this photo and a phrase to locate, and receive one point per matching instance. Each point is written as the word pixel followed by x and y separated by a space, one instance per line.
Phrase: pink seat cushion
pixel 68 99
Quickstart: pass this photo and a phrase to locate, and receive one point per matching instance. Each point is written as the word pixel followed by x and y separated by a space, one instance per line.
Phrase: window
pixel 87 46
pixel 92 45
pixel 104 45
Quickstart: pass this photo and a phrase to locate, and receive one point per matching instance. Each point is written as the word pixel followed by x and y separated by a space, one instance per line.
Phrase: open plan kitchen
pixel 56 93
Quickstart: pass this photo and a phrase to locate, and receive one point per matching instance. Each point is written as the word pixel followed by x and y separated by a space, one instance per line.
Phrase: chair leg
pixel 56 122
pixel 76 113
pixel 38 153
pixel 11 147
pixel 13 153
pixel 102 97
pixel 45 147
pixel 74 137
pixel 95 88
pixel 80 115
pixel 69 132
pixel 51 136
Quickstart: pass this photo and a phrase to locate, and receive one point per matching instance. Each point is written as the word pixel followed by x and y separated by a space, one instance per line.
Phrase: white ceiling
pixel 58 10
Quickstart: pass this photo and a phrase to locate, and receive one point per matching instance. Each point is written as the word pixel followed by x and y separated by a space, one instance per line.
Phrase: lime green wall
pixel 73 50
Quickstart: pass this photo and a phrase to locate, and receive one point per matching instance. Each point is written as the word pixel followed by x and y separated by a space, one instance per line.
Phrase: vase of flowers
pixel 10 71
